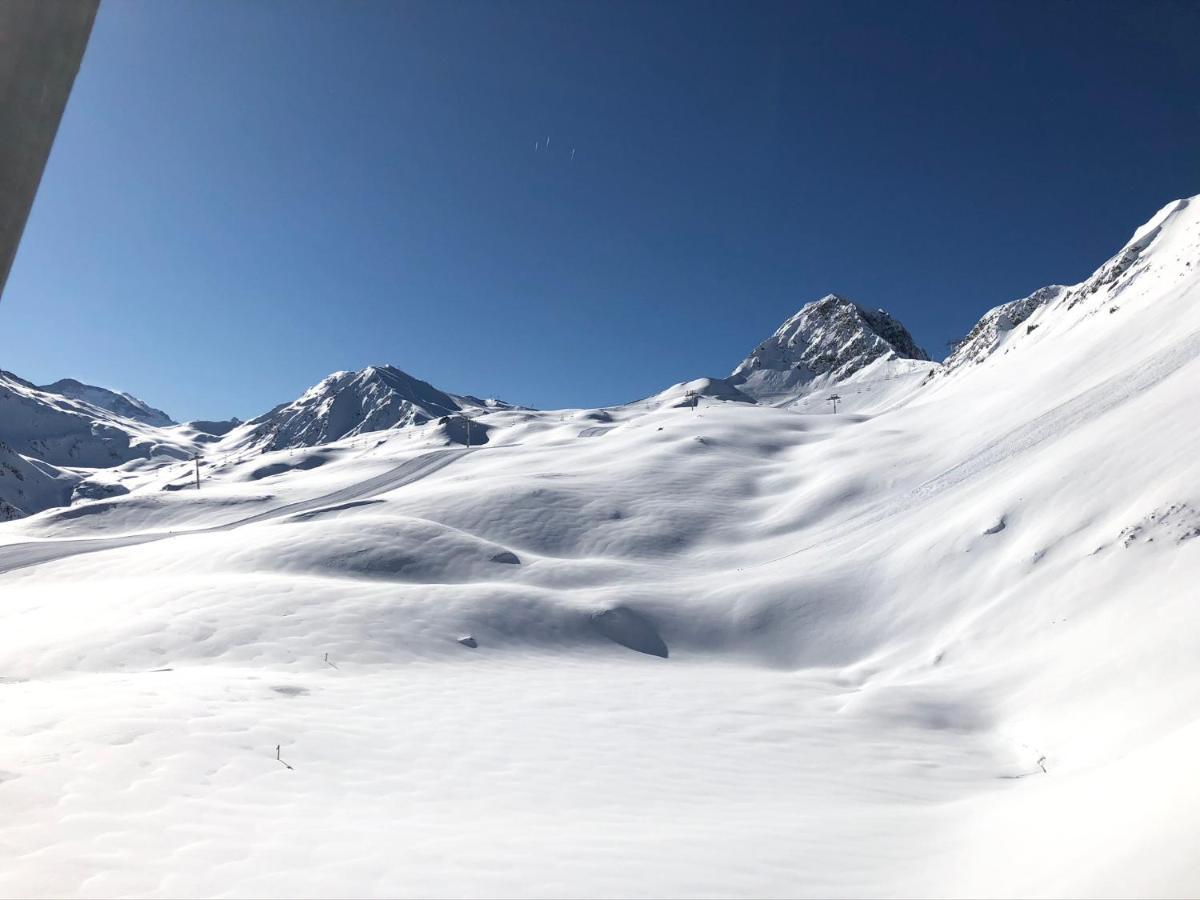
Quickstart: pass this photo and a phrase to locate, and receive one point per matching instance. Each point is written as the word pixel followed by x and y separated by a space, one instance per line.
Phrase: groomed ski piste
pixel 945 642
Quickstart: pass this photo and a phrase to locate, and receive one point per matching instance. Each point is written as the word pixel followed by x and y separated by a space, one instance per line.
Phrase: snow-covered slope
pixel 941 645
pixel 691 393
pixel 118 402
pixel 829 339
pixel 346 404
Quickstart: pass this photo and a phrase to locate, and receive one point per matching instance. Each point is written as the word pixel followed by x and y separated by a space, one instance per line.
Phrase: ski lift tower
pixel 834 398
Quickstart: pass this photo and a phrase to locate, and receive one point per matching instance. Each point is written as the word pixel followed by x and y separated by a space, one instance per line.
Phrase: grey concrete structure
pixel 41 47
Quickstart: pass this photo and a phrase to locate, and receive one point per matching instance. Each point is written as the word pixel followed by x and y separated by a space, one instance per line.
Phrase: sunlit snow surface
pixel 942 643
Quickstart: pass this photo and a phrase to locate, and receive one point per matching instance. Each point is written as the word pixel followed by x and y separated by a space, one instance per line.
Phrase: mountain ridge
pixel 117 402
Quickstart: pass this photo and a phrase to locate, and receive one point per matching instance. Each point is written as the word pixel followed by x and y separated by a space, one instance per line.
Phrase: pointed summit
pixel 832 338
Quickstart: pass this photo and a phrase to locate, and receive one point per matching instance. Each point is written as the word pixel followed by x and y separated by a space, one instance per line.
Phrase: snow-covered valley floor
pixel 942 643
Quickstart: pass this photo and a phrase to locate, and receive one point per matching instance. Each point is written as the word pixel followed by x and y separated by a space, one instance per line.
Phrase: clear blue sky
pixel 245 196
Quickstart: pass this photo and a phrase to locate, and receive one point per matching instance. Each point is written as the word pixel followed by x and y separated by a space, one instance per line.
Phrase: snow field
pixel 942 643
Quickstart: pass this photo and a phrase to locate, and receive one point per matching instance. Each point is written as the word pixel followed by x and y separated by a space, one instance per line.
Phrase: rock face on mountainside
pixel 118 402
pixel 1166 246
pixel 350 403
pixel 832 337
pixel 996 324
pixel 1134 258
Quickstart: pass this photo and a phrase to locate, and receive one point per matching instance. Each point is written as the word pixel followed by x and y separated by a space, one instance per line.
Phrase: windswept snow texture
pixel 830 337
pixel 122 404
pixel 942 643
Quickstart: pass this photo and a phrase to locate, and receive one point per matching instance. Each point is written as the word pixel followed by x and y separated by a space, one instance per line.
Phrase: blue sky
pixel 245 196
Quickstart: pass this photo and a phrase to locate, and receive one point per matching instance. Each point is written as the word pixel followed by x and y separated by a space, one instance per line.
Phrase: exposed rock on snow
pixel 1176 523
pixel 1131 258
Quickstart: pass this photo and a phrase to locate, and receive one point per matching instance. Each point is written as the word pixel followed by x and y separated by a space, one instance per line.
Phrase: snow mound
pixel 686 394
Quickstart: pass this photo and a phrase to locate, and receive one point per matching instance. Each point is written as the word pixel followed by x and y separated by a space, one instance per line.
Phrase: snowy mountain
pixel 346 404
pixel 829 339
pixel 50 442
pixel 943 641
pixel 122 404
pixel 62 431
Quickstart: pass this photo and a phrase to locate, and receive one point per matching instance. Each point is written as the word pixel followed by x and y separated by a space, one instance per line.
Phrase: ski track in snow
pixel 1062 419
pixel 23 555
